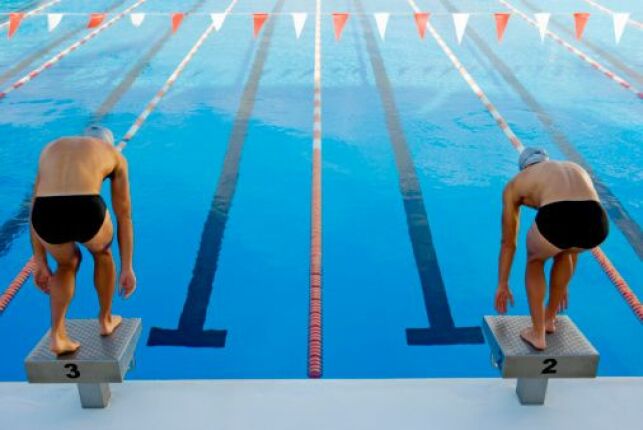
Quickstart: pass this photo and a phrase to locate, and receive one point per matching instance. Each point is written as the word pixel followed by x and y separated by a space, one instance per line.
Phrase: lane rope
pixel 609 11
pixel 16 284
pixel 33 11
pixel 580 54
pixel 71 48
pixel 601 258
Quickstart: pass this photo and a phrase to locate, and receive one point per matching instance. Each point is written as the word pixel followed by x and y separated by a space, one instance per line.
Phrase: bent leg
pixel 104 275
pixel 560 275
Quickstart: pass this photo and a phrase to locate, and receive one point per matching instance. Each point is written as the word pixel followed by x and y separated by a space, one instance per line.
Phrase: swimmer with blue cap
pixel 68 210
pixel 570 219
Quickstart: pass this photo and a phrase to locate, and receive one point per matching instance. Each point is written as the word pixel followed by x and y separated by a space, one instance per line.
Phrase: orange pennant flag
pixel 502 19
pixel 258 20
pixel 580 19
pixel 95 19
pixel 177 19
pixel 339 21
pixel 14 22
pixel 421 20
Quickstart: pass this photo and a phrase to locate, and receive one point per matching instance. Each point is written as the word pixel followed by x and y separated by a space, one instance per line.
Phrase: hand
pixel 127 283
pixel 42 276
pixel 503 294
pixel 562 306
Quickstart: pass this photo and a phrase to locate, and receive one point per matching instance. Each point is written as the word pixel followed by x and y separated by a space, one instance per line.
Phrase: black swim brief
pixel 62 219
pixel 573 224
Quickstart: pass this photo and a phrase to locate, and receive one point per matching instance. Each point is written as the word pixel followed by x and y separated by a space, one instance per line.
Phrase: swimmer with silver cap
pixel 68 211
pixel 570 220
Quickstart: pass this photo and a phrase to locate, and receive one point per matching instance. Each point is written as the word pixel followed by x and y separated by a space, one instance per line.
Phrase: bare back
pixel 75 166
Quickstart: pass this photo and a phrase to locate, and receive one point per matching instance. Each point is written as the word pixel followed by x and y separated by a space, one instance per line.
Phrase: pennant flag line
pixel 381 19
pixel 137 19
pixel 339 21
pixel 542 19
pixel 580 20
pixel 299 20
pixel 502 19
pixel 620 19
pixel 421 20
pixel 14 22
pixel 217 20
pixel 258 20
pixel 95 19
pixel 460 21
pixel 177 19
pixel 53 19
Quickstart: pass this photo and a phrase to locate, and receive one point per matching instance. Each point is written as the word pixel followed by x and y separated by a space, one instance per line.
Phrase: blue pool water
pixel 401 95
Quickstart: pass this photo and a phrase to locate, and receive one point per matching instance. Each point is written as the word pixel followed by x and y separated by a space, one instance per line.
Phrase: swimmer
pixel 570 220
pixel 67 209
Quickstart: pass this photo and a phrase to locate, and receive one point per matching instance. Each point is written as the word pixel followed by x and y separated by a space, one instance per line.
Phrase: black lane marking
pixel 190 331
pixel 442 330
pixel 12 228
pixel 615 209
pixel 612 59
pixel 29 60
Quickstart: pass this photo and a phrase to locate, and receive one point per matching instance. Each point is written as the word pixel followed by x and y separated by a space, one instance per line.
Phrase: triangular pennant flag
pixel 381 19
pixel 14 22
pixel 53 19
pixel 542 19
pixel 177 19
pixel 460 21
pixel 217 20
pixel 502 19
pixel 339 21
pixel 299 20
pixel 421 20
pixel 620 19
pixel 258 20
pixel 580 21
pixel 137 19
pixel 95 19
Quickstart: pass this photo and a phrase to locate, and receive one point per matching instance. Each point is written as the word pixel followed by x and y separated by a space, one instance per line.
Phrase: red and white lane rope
pixel 34 11
pixel 315 306
pixel 71 48
pixel 170 81
pixel 609 11
pixel 580 54
pixel 602 260
pixel 16 284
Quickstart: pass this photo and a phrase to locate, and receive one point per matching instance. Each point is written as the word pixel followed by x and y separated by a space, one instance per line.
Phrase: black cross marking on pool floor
pixel 442 330
pixel 190 331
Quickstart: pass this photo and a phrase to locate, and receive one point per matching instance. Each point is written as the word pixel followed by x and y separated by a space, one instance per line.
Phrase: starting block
pixel 568 355
pixel 99 361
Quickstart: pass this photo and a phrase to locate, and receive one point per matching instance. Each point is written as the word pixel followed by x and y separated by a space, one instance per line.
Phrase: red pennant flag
pixel 421 20
pixel 258 20
pixel 95 19
pixel 502 19
pixel 339 21
pixel 580 19
pixel 14 22
pixel 177 19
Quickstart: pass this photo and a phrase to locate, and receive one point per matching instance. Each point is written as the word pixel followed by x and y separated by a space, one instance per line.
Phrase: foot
pixel 550 326
pixel 109 324
pixel 536 341
pixel 60 346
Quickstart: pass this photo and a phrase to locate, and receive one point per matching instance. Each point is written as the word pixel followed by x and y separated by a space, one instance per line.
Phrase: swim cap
pixel 100 132
pixel 530 156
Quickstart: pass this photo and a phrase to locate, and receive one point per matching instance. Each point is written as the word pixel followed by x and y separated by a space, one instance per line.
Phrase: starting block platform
pixel 568 355
pixel 99 360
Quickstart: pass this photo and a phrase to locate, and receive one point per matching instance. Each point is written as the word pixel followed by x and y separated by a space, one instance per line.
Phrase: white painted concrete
pixel 604 403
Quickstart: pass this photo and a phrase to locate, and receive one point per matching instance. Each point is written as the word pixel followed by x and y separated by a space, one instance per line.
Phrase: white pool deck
pixel 391 404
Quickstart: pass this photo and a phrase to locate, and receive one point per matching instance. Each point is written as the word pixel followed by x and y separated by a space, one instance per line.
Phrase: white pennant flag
pixel 620 19
pixel 381 19
pixel 460 21
pixel 542 19
pixel 217 20
pixel 53 19
pixel 299 20
pixel 137 19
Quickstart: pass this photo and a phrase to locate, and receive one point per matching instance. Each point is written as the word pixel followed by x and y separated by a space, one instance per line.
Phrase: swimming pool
pixel 413 167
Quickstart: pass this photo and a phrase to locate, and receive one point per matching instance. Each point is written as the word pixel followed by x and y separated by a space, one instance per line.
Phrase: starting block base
pixel 99 360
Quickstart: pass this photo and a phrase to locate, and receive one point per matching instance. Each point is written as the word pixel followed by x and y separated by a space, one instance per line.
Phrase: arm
pixel 510 221
pixel 42 274
pixel 125 231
